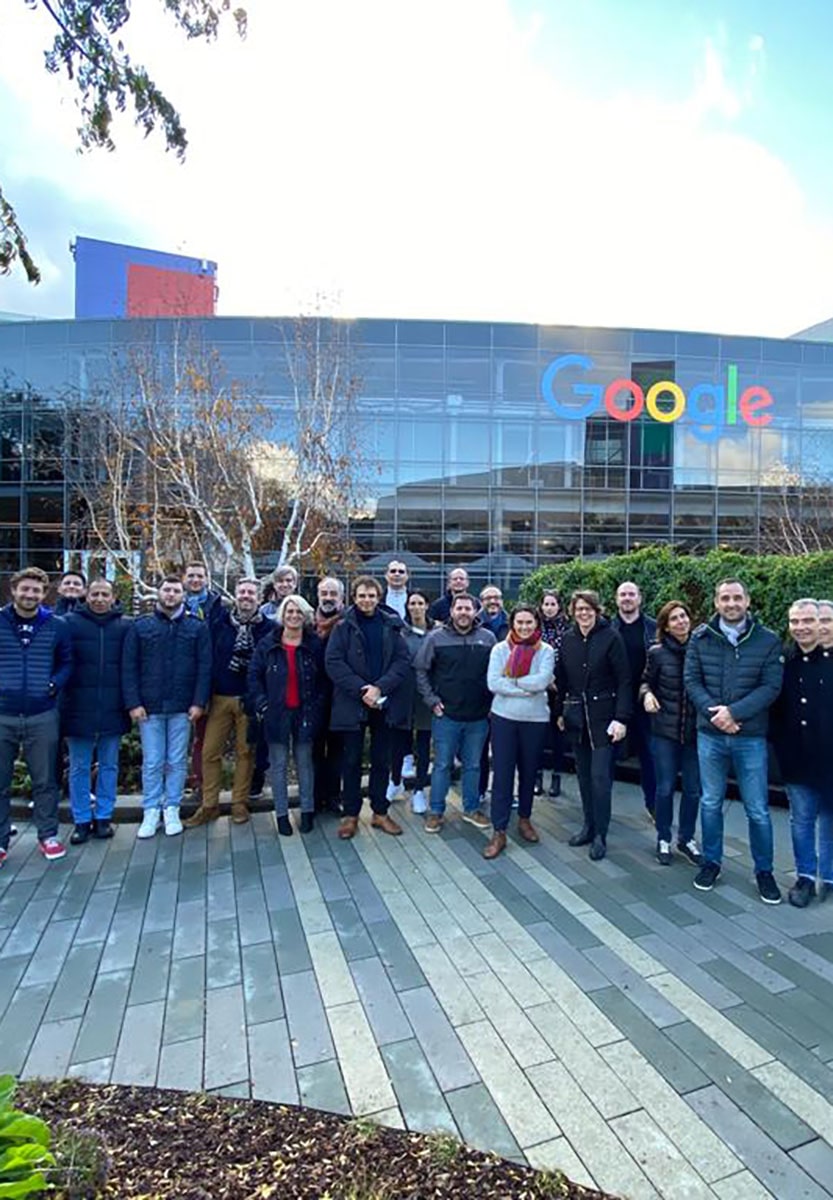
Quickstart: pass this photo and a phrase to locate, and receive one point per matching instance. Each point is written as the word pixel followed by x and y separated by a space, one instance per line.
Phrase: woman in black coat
pixel 554 624
pixel 286 691
pixel 593 705
pixel 673 732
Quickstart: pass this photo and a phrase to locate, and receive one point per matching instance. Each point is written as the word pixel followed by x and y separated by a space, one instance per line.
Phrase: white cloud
pixel 420 160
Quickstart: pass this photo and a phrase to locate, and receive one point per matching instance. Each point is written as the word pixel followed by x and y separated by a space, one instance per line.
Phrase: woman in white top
pixel 520 671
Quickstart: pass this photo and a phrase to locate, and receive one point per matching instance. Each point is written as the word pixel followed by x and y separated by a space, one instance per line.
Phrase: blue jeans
pixel 464 739
pixel 810 812
pixel 748 756
pixel 80 772
pixel 278 765
pixel 671 759
pixel 638 745
pixel 164 759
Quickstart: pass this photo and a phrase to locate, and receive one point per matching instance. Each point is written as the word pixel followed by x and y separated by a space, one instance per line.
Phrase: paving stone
pixel 744 1049
pixel 351 929
pixel 613 910
pixel 290 942
pixel 368 1087
pixel 234 1091
pixel 253 918
pixel 786 1012
pixel 678 962
pixel 569 997
pixel 420 1099
pixel 180 1065
pixel 798 1096
pixel 153 961
pixel 189 929
pixel 514 1026
pixel 659 1158
pixel 642 993
pixel 320 1085
pixel 331 969
pixel 698 1144
pixel 585 1064
pixel 28 929
pixel 816 1158
pixel 113 868
pixel 512 900
pixel 559 1155
pixel 277 888
pixel 480 1122
pixel 270 1056
pixel 97 1071
pixel 445 1052
pixel 160 912
pixel 793 973
pixel 448 985
pixel 135 888
pixel 414 929
pixel 15 898
pixel 783 1047
pixel 510 970
pixel 308 1028
pixel 49 1056
pixel 221 899
pixel 330 880
pixel 185 1011
pixel 226 1057
pixel 98 914
pixel 391 1118
pixel 571 960
pixel 222 959
pixel 74 984
pixel 743 1186
pixel 704 910
pixel 137 1056
pixel 589 1134
pixel 193 880
pixel 525 1115
pixel 74 897
pixel 771 1166
pixel 399 962
pixel 122 942
pixel 261 986
pixel 367 898
pixel 98 1036
pixel 751 964
pixel 385 1014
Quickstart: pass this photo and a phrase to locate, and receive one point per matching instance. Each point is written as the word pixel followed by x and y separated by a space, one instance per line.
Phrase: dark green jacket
pixel 746 677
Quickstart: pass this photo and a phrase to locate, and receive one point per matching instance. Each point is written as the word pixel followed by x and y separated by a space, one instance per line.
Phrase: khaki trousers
pixel 226 714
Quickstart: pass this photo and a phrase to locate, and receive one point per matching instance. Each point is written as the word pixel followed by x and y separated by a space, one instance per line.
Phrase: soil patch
pixel 200 1146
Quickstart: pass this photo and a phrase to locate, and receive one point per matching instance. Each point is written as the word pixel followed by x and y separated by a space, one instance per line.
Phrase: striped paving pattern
pixel 601 1018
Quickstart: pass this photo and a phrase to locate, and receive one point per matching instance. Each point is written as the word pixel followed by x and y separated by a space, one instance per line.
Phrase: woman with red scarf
pixel 520 671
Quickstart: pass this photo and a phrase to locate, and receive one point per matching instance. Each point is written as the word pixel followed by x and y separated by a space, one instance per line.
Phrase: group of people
pixel 392 678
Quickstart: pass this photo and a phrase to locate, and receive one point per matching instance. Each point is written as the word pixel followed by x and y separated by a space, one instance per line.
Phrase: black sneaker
pixel 82 833
pixel 707 877
pixel 538 788
pixel 802 892
pixel 555 786
pixel 664 855
pixel 768 889
pixel 690 851
pixel 103 828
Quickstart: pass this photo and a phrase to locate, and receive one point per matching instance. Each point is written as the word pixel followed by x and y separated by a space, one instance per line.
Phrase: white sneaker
pixel 419 804
pixel 394 792
pixel 173 825
pixel 408 767
pixel 150 823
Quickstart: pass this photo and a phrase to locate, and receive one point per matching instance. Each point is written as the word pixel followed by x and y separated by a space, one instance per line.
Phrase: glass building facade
pixel 496 446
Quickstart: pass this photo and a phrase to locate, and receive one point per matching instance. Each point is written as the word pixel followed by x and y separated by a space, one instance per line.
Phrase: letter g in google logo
pixel 709 406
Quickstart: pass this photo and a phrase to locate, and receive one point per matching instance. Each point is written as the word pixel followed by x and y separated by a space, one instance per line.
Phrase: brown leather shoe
pixel 202 816
pixel 385 823
pixel 527 830
pixel 239 814
pixel 496 844
pixel 348 827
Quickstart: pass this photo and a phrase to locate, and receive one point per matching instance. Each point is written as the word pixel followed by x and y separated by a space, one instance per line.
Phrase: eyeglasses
pixel 396 570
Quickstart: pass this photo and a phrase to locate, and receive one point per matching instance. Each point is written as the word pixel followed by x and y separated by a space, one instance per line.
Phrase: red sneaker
pixel 52 849
pixel 4 854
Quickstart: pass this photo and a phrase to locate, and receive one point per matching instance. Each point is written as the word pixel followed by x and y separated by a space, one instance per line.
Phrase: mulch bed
pixel 199 1146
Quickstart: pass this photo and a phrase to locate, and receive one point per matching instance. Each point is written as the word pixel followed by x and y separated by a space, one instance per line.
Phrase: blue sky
pixel 611 162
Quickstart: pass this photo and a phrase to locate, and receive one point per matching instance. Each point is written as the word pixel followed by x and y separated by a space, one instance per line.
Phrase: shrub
pixel 24 1147
pixel 774 581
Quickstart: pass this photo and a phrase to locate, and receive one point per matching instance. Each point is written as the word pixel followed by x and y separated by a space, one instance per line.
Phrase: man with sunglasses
pixel 396 596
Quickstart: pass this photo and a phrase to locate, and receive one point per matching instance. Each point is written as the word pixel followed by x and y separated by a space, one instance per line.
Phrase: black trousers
pixel 403 743
pixel 515 745
pixel 594 768
pixel 380 751
pixel 328 756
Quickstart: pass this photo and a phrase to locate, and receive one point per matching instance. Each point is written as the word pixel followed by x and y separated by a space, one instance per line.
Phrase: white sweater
pixel 523 699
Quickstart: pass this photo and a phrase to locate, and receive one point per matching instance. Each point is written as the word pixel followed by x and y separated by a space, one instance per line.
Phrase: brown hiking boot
pixel 385 823
pixel 478 819
pixel 202 816
pixel 348 827
pixel 527 830
pixel 239 814
pixel 433 823
pixel 496 844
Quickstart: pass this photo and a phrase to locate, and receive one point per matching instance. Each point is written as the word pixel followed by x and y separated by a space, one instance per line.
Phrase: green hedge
pixel 774 581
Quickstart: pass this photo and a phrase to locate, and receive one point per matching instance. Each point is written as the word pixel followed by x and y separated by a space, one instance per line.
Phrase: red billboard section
pixel 156 292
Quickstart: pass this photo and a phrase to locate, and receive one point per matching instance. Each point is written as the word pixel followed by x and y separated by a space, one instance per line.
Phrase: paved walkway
pixel 602 1018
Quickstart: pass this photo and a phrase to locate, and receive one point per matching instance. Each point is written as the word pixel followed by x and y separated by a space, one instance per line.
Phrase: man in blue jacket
pixel 166 675
pixel 35 664
pixel 733 673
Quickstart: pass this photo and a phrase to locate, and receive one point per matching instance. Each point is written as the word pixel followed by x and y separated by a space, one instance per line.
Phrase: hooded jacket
pixel 746 677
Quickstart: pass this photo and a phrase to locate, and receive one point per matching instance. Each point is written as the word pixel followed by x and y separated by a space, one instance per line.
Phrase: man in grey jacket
pixel 733 673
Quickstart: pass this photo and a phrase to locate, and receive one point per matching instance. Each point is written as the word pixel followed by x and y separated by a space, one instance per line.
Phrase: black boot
pixel 538 789
pixel 599 848
pixel 307 822
pixel 82 833
pixel 103 829
pixel 555 786
pixel 284 827
pixel 583 838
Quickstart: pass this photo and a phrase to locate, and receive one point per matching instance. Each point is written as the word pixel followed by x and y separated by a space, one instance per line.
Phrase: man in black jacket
pixel 72 591
pixel 802 728
pixel 166 674
pixel 733 674
pixel 368 662
pixel 451 668
pixel 638 631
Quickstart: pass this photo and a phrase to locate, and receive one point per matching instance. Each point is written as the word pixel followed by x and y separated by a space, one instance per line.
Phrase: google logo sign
pixel 709 407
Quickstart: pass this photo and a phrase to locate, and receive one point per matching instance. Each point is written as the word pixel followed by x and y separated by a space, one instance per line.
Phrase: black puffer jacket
pixel 663 675
pixel 93 701
pixel 746 677
pixel 347 666
pixel 268 675
pixel 593 683
pixel 802 721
